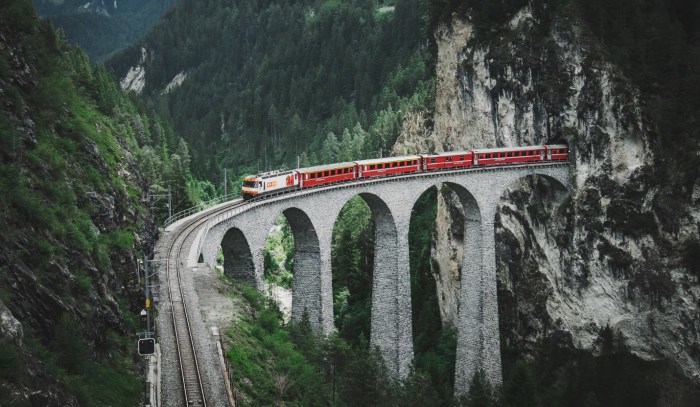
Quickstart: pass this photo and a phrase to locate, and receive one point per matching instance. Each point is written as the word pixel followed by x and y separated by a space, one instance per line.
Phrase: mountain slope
pixel 102 27
pixel 73 157
pixel 254 84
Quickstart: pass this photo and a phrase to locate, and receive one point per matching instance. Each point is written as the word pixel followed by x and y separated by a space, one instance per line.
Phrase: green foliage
pixel 11 362
pixel 268 366
pixel 434 344
pixel 480 394
pixel 520 390
pixel 70 345
pixel 312 69
pixel 563 376
pixel 71 199
pixel 352 252
pixel 279 254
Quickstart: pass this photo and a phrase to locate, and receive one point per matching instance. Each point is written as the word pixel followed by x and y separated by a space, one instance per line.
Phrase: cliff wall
pixel 614 251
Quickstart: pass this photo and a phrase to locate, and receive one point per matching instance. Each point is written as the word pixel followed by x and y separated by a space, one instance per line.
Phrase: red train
pixel 282 181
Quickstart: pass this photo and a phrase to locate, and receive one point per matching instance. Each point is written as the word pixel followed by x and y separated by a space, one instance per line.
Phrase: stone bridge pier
pixel 241 234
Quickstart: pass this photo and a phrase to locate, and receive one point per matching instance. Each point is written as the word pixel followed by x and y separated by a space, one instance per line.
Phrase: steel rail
pixel 234 208
pixel 192 387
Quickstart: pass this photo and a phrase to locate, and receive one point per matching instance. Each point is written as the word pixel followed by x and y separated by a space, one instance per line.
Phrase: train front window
pixel 249 184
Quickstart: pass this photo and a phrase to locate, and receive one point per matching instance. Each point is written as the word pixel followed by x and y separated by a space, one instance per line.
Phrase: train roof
pixel 269 174
pixel 326 167
pixel 444 153
pixel 502 149
pixel 388 159
pixel 556 146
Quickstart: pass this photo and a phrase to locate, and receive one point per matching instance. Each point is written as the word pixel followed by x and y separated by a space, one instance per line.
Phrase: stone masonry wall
pixel 312 214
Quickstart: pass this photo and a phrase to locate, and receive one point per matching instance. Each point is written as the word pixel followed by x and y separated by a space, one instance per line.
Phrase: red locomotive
pixel 282 181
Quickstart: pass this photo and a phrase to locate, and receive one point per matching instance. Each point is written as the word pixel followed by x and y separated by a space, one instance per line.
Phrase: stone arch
pixel 386 315
pixel 487 343
pixel 238 259
pixel 469 352
pixel 307 289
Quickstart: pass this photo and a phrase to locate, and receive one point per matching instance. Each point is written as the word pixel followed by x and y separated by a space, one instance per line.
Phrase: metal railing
pixel 200 207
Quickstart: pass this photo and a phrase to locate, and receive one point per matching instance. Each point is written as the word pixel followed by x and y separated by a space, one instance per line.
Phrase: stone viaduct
pixel 242 232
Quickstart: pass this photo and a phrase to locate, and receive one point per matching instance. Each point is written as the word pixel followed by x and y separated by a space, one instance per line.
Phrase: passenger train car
pixel 282 181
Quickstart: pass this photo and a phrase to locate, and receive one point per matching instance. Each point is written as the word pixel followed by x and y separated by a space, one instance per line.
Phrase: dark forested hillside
pixel 266 81
pixel 102 27
pixel 77 159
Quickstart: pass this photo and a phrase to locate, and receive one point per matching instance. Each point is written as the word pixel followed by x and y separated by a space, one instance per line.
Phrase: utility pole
pixel 148 297
pixel 225 184
pixel 297 162
pixel 380 153
pixel 170 203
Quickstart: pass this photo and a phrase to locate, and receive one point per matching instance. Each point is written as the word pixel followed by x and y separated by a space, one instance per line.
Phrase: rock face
pixel 10 327
pixel 614 251
pixel 47 276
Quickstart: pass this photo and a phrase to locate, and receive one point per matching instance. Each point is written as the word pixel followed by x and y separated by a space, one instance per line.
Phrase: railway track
pixel 193 389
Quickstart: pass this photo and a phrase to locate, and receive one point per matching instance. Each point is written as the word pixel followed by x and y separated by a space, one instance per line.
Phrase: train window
pixel 432 160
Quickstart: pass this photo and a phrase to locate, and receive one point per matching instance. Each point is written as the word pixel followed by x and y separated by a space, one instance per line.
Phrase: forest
pixel 79 160
pixel 559 374
pixel 267 82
